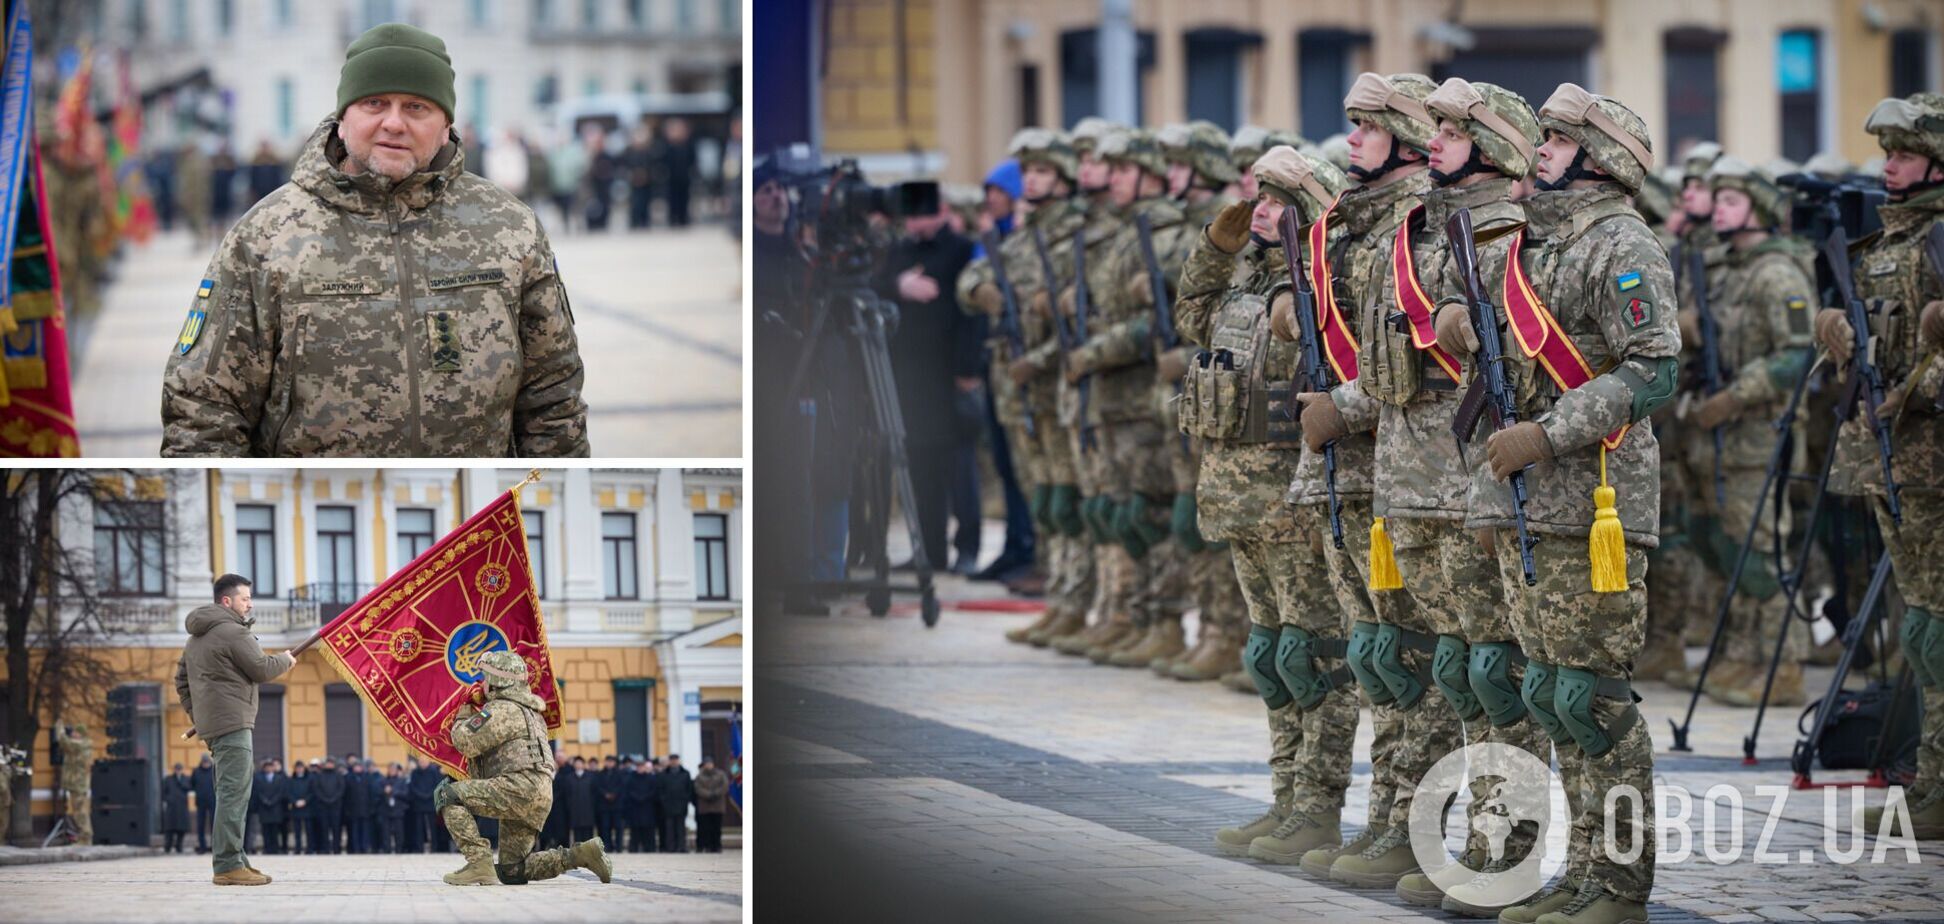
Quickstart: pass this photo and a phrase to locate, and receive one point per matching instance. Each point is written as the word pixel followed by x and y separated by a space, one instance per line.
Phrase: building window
pixel 268 738
pixel 281 14
pixel 731 16
pixel 543 14
pixel 286 106
pixel 1216 61
pixel 1693 88
pixel 379 11
pixel 638 14
pixel 256 547
pixel 138 21
pixel 536 532
pixel 1910 53
pixel 1080 73
pixel 618 553
pixel 1798 78
pixel 1324 67
pixel 337 562
pixel 711 556
pixel 546 90
pixel 482 119
pixel 591 14
pixel 129 548
pixel 1029 95
pixel 225 17
pixel 179 20
pixel 415 532
pixel 480 12
pixel 344 721
pixel 684 17
pixel 632 715
pixel 591 86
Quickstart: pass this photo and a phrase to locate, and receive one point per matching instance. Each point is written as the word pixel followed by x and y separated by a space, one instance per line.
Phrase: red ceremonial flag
pixel 411 647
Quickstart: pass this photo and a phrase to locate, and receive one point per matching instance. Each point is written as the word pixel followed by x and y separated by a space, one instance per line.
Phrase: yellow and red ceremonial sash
pixel 1540 336
pixel 1339 344
pixel 1411 300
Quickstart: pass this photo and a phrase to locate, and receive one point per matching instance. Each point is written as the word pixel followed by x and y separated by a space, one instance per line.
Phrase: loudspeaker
pixel 120 810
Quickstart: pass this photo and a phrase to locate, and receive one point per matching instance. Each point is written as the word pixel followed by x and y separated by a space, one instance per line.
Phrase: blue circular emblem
pixel 468 643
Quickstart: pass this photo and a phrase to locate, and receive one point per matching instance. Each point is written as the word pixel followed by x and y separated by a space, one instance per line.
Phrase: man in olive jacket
pixel 217 682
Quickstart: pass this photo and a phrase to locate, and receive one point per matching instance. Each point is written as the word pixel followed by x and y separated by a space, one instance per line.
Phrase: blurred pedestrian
pixel 328 789
pixel 643 164
pixel 608 789
pixel 580 802
pixel 677 791
pixel 567 169
pixel 678 169
pixel 598 186
pixel 222 189
pixel 203 783
pixel 711 803
pixel 506 164
pixel 357 805
pixel 192 191
pixel 267 171
pixel 640 807
pixel 298 797
pixel 175 809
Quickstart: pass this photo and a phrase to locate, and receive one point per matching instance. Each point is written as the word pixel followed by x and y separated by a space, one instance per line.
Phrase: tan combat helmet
pixel 1251 140
pixel 1780 166
pixel 1770 202
pixel 1336 150
pixel 1087 133
pixel 1828 165
pixel 503 669
pixel 1499 122
pixel 1394 104
pixel 1658 196
pixel 1699 157
pixel 1305 181
pixel 1914 124
pixel 1203 146
pixel 1134 146
pixel 1045 146
pixel 1610 135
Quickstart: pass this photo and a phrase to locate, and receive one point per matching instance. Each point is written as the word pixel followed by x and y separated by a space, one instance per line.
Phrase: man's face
pixel 1040 181
pixel 1266 220
pixel 998 203
pixel 1556 155
pixel 1370 145
pixel 1179 176
pixel 772 205
pixel 392 134
pixel 238 601
pixel 1904 169
pixel 1123 183
pixel 1731 208
pixel 1093 173
pixel 1696 198
pixel 1450 148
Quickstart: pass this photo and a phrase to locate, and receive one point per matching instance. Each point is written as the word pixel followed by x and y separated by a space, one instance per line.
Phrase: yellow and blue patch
pixel 208 286
pixel 1629 281
pixel 192 326
pixel 1797 303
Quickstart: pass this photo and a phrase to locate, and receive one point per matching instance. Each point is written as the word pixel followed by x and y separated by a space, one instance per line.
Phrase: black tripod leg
pixel 1806 750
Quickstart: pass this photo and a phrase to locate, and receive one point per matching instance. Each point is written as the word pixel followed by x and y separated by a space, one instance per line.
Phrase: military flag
pixel 411 647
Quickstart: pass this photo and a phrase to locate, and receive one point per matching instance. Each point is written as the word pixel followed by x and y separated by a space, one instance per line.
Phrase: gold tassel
pixel 1607 543
pixel 1383 560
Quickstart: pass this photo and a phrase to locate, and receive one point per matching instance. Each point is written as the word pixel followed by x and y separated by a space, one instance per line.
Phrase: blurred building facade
pixel 941 85
pixel 639 573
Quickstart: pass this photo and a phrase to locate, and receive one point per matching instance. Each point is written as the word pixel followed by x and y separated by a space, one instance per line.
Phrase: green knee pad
pixel 1097 511
pixel 511 873
pixel 1448 672
pixel 1387 660
pixel 1037 505
pixel 1184 524
pixel 1537 693
pixel 1573 701
pixel 1259 659
pixel 442 796
pixel 1298 672
pixel 1063 510
pixel 1363 649
pixel 1126 526
pixel 1924 646
pixel 1490 672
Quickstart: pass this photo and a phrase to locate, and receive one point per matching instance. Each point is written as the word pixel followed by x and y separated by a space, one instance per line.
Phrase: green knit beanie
pixel 396 58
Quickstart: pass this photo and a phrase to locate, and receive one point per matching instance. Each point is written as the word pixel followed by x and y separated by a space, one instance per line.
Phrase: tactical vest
pixel 524 752
pixel 1239 390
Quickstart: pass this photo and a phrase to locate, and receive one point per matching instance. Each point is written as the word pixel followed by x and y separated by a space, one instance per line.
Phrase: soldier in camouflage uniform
pixel 373 308
pixel 1200 171
pixel 1760 296
pixel 1905 299
pixel 505 743
pixel 77 759
pixel 1237 398
pixel 1048 171
pixel 1591 273
pixel 1390 654
pixel 1139 474
pixel 1113 569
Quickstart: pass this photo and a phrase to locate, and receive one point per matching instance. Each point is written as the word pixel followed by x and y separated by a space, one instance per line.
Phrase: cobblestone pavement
pixel 657 313
pixel 969 773
pixel 406 887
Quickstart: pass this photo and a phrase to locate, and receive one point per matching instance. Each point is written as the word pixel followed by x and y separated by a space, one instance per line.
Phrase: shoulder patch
pixel 208 286
pixel 1640 313
pixel 192 328
pixel 478 721
pixel 1797 303
pixel 1628 281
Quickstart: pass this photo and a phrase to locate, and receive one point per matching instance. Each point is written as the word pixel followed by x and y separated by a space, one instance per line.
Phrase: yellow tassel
pixel 1607 543
pixel 1383 560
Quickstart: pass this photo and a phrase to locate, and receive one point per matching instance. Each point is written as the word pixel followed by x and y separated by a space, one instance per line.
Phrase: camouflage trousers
pixel 1024 450
pixel 1070 573
pixel 1349 573
pixel 1111 569
pixel 1425 730
pixel 1676 585
pixel 1454 582
pixel 1284 583
pixel 1561 622
pixel 78 804
pixel 1916 550
pixel 1758 610
pixel 1141 464
pixel 520 801
pixel 1218 593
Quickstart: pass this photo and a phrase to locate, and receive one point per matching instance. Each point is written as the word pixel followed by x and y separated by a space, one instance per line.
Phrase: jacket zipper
pixel 410 325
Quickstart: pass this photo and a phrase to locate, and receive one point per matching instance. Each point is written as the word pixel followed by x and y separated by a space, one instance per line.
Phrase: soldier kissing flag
pixel 411 647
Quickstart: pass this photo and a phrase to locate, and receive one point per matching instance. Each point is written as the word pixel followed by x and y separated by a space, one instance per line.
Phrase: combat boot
pixel 1380 865
pixel 1786 692
pixel 1562 894
pixel 1165 665
pixel 1722 677
pixel 1123 636
pixel 1298 834
pixel 475 872
pixel 1212 662
pixel 1318 862
pixel 1067 624
pixel 1078 643
pixel 1235 841
pixel 1418 888
pixel 1238 680
pixel 1494 874
pixel 1660 659
pixel 1926 816
pixel 1594 905
pixel 1163 640
pixel 1048 616
pixel 592 855
pixel 240 876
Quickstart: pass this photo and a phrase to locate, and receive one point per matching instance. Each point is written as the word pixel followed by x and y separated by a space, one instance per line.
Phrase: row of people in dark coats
pixel 640 807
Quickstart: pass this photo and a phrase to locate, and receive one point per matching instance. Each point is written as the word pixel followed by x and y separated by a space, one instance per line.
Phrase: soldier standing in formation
pixel 77 758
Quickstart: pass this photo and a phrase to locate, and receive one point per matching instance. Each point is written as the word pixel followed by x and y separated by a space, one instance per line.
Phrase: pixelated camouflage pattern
pixel 1216 593
pixel 351 316
pixel 1916 549
pixel 1581 242
pixel 1023 269
pixel 505 743
pixel 77 762
pixel 1118 347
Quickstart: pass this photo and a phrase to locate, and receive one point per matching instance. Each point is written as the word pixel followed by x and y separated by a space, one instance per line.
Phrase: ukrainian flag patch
pixel 1797 303
pixel 1629 281
pixel 208 286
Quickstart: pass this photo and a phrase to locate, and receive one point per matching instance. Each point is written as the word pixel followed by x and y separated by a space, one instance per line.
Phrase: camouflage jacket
pixel 1023 270
pixel 1167 394
pixel 77 760
pixel 1239 481
pixel 1762 301
pixel 1420 472
pixel 1896 280
pixel 351 316
pixel 1118 347
pixel 1582 246
pixel 507 735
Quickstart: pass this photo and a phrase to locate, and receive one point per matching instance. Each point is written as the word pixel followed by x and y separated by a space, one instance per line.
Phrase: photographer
pixel 935 358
